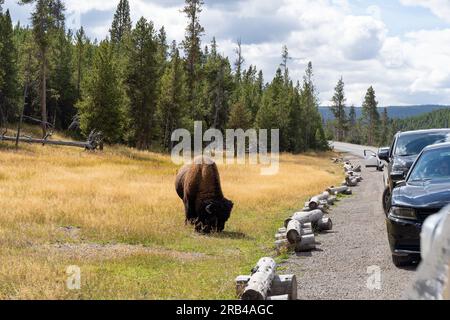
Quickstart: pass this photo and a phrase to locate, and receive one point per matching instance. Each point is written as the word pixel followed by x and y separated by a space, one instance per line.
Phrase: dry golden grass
pixel 117 216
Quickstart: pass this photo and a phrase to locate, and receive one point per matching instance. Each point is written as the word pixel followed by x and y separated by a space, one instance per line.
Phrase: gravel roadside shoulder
pixel 350 260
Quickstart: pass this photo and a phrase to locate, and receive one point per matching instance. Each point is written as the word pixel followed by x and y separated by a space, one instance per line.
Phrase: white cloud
pixel 440 8
pixel 412 68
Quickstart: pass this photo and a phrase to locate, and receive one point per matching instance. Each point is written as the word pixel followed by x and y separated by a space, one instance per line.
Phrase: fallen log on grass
pixel 94 142
pixel 261 280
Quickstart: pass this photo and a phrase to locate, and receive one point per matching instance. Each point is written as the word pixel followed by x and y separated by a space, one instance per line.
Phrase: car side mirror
pixel 397 176
pixel 384 155
pixel 400 183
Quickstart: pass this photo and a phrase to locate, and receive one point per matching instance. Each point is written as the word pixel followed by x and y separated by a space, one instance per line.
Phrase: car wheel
pixel 387 201
pixel 402 261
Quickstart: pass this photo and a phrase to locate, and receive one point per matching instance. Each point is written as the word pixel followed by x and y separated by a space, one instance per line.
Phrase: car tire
pixel 402 261
pixel 386 201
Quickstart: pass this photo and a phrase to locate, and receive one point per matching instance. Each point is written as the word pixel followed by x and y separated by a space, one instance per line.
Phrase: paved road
pixel 353 149
pixel 339 268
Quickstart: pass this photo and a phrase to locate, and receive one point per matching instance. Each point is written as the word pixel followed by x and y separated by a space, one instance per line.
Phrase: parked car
pixel 372 159
pixel 424 193
pixel 402 154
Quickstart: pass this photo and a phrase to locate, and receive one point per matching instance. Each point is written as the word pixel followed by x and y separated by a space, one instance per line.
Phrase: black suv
pixel 402 154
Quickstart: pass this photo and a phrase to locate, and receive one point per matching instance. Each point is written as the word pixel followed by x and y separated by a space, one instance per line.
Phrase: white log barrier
pixel 294 231
pixel 326 224
pixel 307 225
pixel 282 230
pixel 338 190
pixel 307 217
pixel 349 192
pixel 261 281
pixel 332 200
pixel 284 285
pixel 321 208
pixel 279 298
pixel 357 168
pixel 280 236
pixel 314 203
pixel 307 231
pixel 308 243
pixel 351 182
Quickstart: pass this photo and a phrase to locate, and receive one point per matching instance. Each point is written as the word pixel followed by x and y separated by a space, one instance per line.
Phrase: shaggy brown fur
pixel 198 185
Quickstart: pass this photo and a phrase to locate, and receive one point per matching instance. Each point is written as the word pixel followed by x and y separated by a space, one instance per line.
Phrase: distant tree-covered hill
pixel 433 120
pixel 394 112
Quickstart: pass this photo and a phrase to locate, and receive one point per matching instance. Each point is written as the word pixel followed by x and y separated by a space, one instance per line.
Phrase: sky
pixel 400 47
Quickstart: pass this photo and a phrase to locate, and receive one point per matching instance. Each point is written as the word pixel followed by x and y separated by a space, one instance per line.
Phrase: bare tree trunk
pixel 44 92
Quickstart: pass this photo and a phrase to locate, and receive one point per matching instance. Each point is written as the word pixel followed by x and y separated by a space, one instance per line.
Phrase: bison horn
pixel 209 208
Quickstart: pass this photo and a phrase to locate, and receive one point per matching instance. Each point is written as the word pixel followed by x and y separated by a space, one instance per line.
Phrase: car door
pixel 371 159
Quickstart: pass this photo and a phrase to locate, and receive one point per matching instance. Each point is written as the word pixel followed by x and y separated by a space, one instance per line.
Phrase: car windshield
pixel 432 165
pixel 413 144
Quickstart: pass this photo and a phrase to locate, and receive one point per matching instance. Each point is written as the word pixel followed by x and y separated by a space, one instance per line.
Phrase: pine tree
pixel 312 119
pixel 163 49
pixel 192 48
pixel 275 109
pixel 172 101
pixel 44 22
pixel 102 107
pixel 338 109
pixel 80 58
pixel 142 79
pixel 240 117
pixel 284 63
pixel 216 89
pixel 371 117
pixel 121 25
pixel 239 63
pixel 352 125
pixel 385 129
pixel 296 130
pixel 9 93
pixel 63 93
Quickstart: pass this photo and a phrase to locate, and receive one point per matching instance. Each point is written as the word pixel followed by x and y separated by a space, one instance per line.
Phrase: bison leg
pixel 191 215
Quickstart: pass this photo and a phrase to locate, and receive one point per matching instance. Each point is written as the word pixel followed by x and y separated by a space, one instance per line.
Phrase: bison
pixel 198 185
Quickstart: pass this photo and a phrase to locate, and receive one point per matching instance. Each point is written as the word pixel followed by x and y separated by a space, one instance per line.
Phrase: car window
pixel 432 165
pixel 413 144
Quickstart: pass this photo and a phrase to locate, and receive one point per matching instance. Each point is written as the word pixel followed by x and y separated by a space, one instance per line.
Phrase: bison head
pixel 217 213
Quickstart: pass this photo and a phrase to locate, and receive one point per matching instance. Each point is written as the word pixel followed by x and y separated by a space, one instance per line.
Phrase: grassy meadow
pixel 116 215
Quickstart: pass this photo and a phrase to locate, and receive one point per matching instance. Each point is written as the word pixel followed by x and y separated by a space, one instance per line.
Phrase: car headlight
pixel 403 213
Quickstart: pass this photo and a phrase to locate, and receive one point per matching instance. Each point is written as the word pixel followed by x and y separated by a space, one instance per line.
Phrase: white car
pixel 372 159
